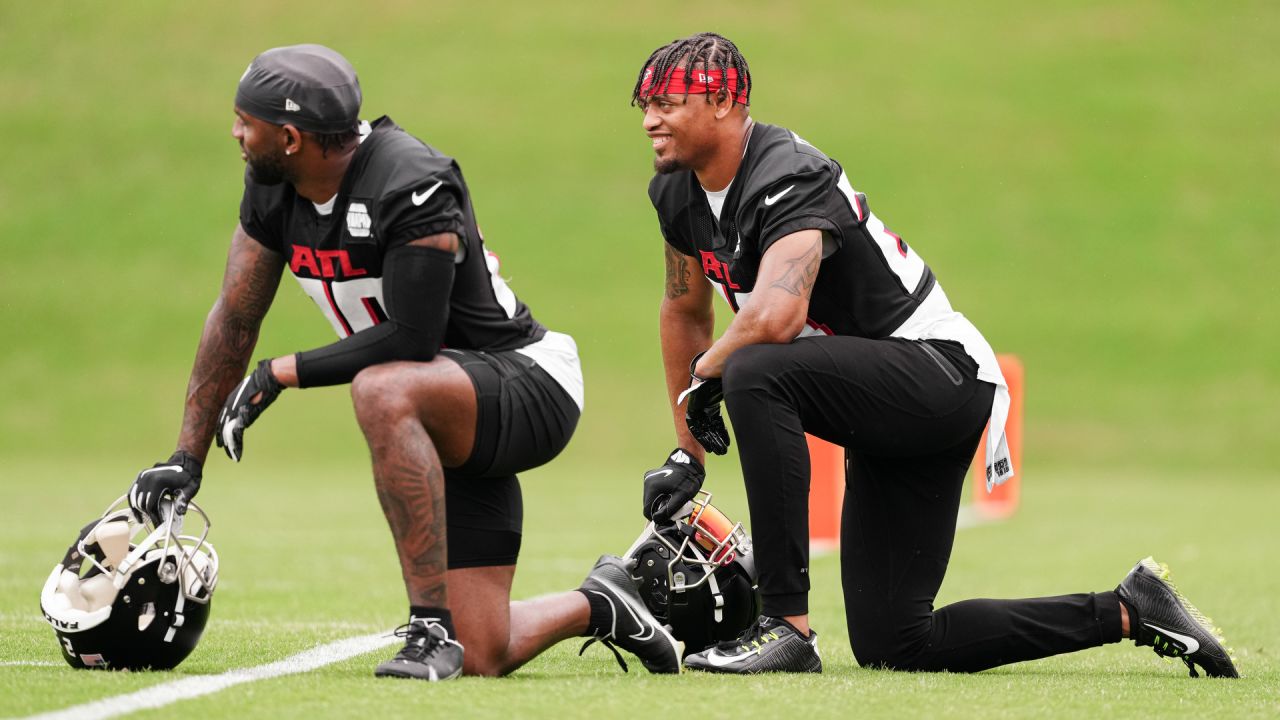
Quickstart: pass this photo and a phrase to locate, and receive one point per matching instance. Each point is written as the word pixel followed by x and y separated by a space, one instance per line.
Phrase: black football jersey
pixel 396 190
pixel 869 282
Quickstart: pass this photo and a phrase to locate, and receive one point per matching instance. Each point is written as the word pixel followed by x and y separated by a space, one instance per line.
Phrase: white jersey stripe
pixel 501 291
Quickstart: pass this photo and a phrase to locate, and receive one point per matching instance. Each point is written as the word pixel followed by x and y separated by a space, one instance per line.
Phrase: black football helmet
pixel 698 575
pixel 130 595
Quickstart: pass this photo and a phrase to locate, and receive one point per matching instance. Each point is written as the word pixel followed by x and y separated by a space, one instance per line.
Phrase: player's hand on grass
pixel 668 488
pixel 702 414
pixel 177 479
pixel 250 398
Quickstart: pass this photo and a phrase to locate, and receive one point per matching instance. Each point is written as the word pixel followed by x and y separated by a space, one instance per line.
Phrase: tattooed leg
pixel 406 470
pixel 414 419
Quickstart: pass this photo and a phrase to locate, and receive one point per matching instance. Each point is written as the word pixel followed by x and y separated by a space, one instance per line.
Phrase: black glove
pixel 669 487
pixel 241 409
pixel 702 414
pixel 178 479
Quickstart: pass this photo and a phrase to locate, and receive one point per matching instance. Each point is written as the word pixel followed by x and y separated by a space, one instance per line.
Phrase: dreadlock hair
pixel 334 141
pixel 707 51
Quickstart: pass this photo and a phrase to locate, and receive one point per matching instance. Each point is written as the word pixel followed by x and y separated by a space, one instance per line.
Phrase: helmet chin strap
pixel 712 583
pixel 178 617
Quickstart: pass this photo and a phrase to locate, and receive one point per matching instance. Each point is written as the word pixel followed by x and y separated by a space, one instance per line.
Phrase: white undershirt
pixel 715 198
pixel 326 208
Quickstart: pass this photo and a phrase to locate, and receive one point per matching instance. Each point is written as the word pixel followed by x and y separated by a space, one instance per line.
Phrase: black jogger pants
pixel 910 415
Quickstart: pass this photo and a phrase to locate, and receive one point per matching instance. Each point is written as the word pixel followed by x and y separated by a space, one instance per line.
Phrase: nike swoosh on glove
pixel 668 488
pixel 250 398
pixel 177 479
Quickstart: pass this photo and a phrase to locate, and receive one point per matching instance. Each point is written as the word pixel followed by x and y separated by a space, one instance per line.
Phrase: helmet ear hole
pixel 146 616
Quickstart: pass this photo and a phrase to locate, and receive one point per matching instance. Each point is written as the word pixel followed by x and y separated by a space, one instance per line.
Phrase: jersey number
pixel 349 305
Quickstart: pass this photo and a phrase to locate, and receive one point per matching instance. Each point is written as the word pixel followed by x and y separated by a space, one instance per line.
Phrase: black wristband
pixel 274 386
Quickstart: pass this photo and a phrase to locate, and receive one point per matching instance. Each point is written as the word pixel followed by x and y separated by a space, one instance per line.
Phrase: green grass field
pixel 1093 184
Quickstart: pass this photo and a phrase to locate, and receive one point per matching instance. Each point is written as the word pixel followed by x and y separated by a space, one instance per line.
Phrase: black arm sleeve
pixel 416 284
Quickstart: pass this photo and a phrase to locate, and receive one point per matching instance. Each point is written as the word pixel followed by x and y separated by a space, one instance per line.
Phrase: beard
pixel 267 169
pixel 666 166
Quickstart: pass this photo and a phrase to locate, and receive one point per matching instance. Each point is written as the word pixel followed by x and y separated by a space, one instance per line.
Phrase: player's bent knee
pixel 900 651
pixel 482 667
pixel 375 394
pixel 884 659
pixel 485 655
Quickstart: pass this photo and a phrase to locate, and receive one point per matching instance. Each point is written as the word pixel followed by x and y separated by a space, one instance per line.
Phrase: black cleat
pixel 1161 618
pixel 632 627
pixel 428 653
pixel 770 645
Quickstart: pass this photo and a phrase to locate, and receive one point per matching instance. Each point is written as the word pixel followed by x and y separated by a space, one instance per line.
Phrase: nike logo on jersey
pixel 419 198
pixel 717 660
pixel 658 473
pixel 771 199
pixel 1191 643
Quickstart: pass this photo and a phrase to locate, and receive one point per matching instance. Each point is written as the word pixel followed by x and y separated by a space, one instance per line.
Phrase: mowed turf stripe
pixel 187 688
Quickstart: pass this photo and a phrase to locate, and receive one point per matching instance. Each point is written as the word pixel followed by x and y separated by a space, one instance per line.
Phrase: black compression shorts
pixel 523 420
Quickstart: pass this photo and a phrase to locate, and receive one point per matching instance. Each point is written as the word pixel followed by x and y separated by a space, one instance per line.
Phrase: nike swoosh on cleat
pixel 717 660
pixel 771 199
pixel 1191 643
pixel 642 635
pixel 419 198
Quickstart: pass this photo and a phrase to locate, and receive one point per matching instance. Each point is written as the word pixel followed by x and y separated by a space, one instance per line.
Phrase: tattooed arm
pixel 230 333
pixel 686 324
pixel 779 304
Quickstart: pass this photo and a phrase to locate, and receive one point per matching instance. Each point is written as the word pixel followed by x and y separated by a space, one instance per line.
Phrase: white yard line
pixel 191 687
pixel 30 663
